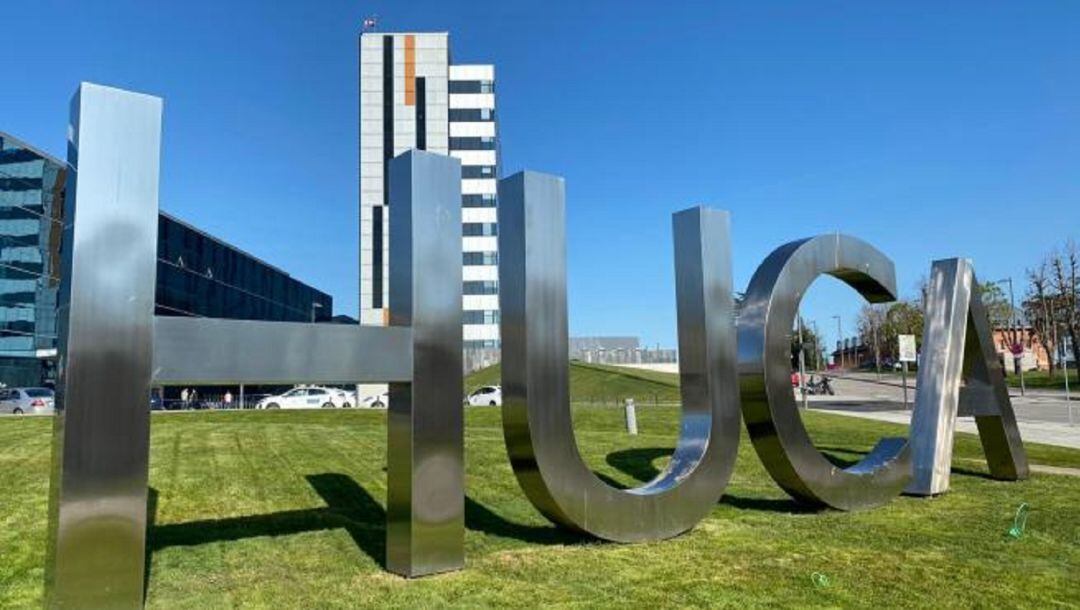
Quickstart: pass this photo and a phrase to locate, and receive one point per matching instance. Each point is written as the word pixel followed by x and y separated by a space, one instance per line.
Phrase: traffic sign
pixel 907 348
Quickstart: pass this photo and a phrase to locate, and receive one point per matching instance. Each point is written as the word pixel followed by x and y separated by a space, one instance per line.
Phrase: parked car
pixel 488 396
pixel 18 401
pixel 306 398
pixel 376 401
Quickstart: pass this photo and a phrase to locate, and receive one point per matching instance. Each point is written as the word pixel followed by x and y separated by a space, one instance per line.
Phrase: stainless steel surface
pixel 959 373
pixel 537 423
pixel 425 503
pixel 213 351
pixel 97 502
pixel 768 403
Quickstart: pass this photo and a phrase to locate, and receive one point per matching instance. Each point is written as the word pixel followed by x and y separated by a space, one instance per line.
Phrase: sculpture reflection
pixel 536 407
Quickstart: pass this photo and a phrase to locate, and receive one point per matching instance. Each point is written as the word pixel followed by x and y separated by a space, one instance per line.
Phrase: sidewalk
pixel 1032 431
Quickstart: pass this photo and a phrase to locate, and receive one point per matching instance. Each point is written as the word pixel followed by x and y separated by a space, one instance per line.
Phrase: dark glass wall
pixel 197 274
pixel 31 208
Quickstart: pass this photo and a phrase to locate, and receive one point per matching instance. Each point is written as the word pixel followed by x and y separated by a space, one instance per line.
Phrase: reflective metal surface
pixel 192 351
pixel 97 503
pixel 425 503
pixel 537 423
pixel 768 402
pixel 959 371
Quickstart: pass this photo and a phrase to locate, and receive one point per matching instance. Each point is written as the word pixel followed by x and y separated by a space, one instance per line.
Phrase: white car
pixel 488 396
pixel 306 398
pixel 36 401
pixel 377 401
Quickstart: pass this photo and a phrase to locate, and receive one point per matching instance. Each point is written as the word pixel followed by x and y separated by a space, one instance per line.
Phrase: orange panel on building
pixel 410 70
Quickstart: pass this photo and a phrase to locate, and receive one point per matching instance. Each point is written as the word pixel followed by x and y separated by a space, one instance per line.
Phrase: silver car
pixel 36 401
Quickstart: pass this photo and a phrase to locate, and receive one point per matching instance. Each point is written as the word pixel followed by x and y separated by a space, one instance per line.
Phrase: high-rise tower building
pixel 411 96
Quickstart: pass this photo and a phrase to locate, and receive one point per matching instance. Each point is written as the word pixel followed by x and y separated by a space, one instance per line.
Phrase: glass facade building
pixel 200 275
pixel 31 209
pixel 197 274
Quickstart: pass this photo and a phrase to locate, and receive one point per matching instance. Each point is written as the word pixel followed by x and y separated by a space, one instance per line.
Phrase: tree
pixel 998 306
pixel 871 326
pixel 1042 310
pixel 811 346
pixel 1065 280
pixel 899 318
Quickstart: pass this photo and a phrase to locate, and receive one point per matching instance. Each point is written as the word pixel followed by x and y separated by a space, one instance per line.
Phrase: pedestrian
pixel 228 399
pixel 184 394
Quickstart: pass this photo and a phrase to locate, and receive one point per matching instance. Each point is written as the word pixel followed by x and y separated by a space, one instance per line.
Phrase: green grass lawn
pixel 1042 379
pixel 601 384
pixel 285 510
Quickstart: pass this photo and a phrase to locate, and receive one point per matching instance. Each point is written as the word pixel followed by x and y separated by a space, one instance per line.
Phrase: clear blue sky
pixel 929 129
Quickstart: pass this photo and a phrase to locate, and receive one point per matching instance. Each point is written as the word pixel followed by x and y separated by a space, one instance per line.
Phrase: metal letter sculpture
pixel 113 348
pixel 537 423
pixel 101 433
pixel 768 403
pixel 960 374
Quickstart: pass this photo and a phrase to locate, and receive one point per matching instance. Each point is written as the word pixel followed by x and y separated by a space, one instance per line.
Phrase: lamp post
pixel 877 350
pixel 1018 359
pixel 840 337
pixel 802 360
pixel 314 306
pixel 817 348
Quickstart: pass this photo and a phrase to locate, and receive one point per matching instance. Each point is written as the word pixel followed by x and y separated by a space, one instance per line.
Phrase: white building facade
pixel 412 97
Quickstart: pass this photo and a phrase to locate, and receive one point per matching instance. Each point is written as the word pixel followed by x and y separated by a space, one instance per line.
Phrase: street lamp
pixel 1018 361
pixel 314 306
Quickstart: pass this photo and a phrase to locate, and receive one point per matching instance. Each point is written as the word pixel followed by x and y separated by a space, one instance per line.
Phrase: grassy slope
pixel 1042 379
pixel 598 383
pixel 285 510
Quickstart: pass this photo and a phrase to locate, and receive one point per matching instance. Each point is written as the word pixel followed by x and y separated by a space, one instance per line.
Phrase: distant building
pixel 618 350
pixel 1034 355
pixel 197 274
pixel 201 275
pixel 413 97
pixel 852 353
pixel 31 215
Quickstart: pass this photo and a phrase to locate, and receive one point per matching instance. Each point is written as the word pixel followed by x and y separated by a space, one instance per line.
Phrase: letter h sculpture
pixel 113 349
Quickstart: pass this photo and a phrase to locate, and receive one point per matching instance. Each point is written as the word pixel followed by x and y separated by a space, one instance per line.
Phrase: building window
pixel 477 171
pixel 421 113
pixel 473 143
pixel 376 256
pixel 478 201
pixel 388 113
pixel 481 344
pixel 480 258
pixel 469 115
pixel 479 229
pixel 480 287
pixel 481 317
pixel 471 86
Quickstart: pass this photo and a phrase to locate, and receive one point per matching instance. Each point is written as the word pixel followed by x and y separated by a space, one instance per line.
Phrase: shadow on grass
pixel 348 506
pixel 480 518
pixel 638 463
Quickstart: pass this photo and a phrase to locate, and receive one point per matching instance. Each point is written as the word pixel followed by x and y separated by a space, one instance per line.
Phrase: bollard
pixel 631 417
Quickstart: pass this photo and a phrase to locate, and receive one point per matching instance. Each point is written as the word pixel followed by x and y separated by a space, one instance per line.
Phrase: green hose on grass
pixel 1019 522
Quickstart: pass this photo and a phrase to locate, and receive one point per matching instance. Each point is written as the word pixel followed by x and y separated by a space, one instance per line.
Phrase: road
pixel 1042 415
